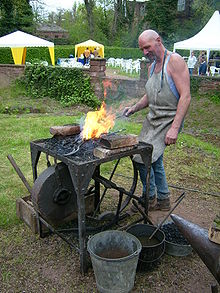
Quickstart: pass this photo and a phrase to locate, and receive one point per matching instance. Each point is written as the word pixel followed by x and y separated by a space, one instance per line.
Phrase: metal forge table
pixel 81 172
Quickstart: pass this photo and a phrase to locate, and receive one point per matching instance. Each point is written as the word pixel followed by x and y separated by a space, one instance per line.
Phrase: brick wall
pixel 115 87
pixel 9 72
pixel 121 86
pixel 109 86
pixel 210 83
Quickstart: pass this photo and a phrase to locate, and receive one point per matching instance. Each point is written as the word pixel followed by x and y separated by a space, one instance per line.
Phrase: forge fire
pixel 97 123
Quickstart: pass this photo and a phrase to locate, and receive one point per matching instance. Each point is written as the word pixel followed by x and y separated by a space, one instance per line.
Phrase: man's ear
pixel 158 39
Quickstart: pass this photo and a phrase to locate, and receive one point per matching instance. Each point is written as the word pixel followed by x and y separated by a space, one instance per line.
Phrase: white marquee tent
pixel 19 41
pixel 207 39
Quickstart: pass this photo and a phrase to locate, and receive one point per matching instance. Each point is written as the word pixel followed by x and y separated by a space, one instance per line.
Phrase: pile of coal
pixel 62 145
pixel 172 234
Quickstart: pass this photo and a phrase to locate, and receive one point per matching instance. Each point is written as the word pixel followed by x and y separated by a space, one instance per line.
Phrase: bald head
pixel 148 35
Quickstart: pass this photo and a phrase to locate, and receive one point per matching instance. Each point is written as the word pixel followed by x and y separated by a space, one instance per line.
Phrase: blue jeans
pixel 158 182
pixel 190 71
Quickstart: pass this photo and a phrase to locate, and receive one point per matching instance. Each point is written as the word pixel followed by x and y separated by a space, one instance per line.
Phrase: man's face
pixel 148 47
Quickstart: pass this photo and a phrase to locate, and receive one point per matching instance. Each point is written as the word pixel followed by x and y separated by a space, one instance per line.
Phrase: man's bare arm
pixel 141 104
pixel 178 70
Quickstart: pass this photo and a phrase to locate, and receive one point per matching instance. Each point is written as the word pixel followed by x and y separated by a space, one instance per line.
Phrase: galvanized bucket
pixel 114 255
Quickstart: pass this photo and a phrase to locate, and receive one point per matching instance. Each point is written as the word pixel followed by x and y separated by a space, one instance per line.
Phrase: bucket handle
pixel 137 252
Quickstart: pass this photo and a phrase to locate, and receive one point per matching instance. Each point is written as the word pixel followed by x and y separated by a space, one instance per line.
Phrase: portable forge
pixel 61 190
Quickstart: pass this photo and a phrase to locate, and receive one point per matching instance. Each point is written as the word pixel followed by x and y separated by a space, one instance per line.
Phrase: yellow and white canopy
pixel 19 41
pixel 81 47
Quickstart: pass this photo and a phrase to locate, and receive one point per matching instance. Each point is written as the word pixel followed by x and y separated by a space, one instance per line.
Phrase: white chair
pixel 110 62
pixel 128 66
pixel 136 66
pixel 123 65
pixel 78 65
pixel 118 62
pixel 214 70
pixel 44 63
pixel 71 62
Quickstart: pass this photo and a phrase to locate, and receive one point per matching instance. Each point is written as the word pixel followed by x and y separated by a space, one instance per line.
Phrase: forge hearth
pixel 83 166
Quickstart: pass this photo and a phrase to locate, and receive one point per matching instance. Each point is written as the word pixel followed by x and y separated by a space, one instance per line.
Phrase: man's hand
pixel 128 111
pixel 171 136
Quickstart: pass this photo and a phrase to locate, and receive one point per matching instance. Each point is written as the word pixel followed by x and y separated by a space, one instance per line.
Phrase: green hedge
pixel 36 54
pixel 70 86
pixel 125 53
pixel 6 56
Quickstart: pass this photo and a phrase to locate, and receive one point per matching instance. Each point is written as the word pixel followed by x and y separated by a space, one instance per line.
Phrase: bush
pixel 126 53
pixel 6 56
pixel 194 84
pixel 70 86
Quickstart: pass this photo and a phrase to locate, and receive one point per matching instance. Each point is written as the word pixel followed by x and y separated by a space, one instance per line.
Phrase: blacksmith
pixel 168 98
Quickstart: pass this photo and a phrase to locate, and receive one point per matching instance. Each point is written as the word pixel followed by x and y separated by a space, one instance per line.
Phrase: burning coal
pixel 97 123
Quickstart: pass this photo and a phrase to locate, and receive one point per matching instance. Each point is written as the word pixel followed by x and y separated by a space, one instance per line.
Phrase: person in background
pixel 95 53
pixel 91 55
pixel 168 98
pixel 71 56
pixel 191 62
pixel 86 56
pixel 203 66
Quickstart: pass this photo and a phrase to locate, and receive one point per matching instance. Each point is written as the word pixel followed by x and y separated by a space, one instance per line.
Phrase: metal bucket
pixel 114 255
pixel 172 248
pixel 150 253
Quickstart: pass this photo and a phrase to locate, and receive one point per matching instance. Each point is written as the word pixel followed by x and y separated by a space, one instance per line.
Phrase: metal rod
pixel 58 233
pixel 120 116
pixel 104 192
pixel 20 174
pixel 117 131
pixel 195 190
pixel 178 198
pixel 181 197
pixel 181 187
pixel 142 213
pixel 75 150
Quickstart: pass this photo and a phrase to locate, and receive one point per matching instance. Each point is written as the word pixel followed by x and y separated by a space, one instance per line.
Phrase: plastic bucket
pixel 151 252
pixel 114 255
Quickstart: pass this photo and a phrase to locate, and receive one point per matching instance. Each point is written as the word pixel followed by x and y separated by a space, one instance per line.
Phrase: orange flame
pixel 106 84
pixel 97 123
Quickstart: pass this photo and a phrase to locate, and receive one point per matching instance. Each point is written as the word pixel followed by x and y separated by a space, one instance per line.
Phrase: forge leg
pixel 35 155
pixel 97 190
pixel 146 157
pixel 82 233
pixel 81 225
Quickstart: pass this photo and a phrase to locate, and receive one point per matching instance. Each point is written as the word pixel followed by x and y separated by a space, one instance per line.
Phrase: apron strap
pixel 162 73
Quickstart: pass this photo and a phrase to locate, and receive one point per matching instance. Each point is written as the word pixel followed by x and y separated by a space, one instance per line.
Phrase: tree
pixel 203 10
pixel 7 18
pixel 161 16
pixel 90 4
pixel 15 15
pixel 38 11
pixel 119 21
pixel 23 15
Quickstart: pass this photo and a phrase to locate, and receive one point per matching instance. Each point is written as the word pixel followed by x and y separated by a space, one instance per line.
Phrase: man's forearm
pixel 141 104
